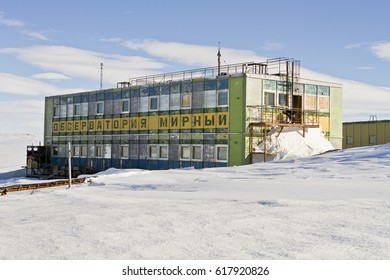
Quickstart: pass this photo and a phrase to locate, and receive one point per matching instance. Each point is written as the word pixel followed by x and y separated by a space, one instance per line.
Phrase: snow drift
pixel 331 206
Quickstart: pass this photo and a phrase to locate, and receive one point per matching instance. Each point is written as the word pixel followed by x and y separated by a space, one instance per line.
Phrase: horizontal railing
pixel 281 114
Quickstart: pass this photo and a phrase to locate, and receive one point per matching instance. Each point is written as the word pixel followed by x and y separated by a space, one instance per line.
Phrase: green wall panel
pixel 48 131
pixel 236 120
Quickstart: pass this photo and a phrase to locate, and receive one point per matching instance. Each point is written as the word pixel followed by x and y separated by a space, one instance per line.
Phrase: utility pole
pixel 70 164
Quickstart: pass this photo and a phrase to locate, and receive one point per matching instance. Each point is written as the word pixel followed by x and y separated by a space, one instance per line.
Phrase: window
pixel 56 111
pixel 186 100
pixel 222 98
pixel 76 109
pixel 269 99
pixel 185 152
pixel 153 103
pixel 163 151
pixel 124 151
pixel 269 84
pixel 55 151
pixel 197 152
pixel 125 106
pixel 282 99
pixel 349 140
pixel 223 84
pixel 153 151
pixel 76 151
pixel 99 151
pixel 99 107
pixel 372 139
pixel 221 153
pixel 84 151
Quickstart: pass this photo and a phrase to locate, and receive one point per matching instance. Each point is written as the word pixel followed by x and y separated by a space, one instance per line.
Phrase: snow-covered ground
pixel 330 206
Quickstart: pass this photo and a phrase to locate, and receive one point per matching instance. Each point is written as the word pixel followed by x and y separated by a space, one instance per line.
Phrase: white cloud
pixel 381 50
pixel 353 46
pixel 112 40
pixel 10 22
pixel 365 68
pixel 13 84
pixel 272 46
pixel 50 76
pixel 190 54
pixel 35 35
pixel 22 116
pixel 85 64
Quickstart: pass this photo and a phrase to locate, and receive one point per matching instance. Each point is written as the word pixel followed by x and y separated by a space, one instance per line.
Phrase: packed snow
pixel 330 206
pixel 288 142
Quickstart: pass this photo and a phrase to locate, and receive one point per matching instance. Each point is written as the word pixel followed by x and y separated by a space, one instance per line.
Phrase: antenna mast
pixel 219 58
pixel 101 76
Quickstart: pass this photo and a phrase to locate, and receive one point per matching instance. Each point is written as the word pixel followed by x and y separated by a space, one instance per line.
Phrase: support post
pixel 250 143
pixel 70 164
pixel 265 143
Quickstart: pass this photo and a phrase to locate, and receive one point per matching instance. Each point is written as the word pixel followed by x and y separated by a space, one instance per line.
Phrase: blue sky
pixel 53 47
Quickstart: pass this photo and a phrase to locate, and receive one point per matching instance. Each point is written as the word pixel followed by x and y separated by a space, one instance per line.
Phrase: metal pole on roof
pixel 101 76
pixel 219 58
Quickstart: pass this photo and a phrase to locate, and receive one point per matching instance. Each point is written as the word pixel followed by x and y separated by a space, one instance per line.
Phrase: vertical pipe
pixel 219 58
pixel 101 76
pixel 70 164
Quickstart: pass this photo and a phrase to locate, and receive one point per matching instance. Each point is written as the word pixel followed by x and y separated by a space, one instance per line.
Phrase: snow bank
pixel 331 206
pixel 290 143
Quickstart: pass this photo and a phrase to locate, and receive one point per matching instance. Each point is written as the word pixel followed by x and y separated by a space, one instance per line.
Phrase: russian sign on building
pixel 163 122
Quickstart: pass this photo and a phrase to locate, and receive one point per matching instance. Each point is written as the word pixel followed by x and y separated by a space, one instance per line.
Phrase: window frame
pixel 150 154
pixel 266 98
pixel 123 101
pixel 217 158
pixel 99 151
pixel 76 151
pixel 182 147
pixel 159 151
pixel 124 147
pixel 151 103
pixel 102 108
pixel 77 109
pixel 83 151
pixel 219 93
pixel 184 103
pixel 56 111
pixel 193 147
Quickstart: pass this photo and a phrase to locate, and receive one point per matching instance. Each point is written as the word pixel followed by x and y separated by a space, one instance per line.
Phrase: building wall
pixel 336 115
pixel 199 122
pixel 359 134
pixel 171 125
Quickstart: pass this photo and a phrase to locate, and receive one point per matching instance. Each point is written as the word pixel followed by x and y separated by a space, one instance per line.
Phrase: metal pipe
pixel 70 164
